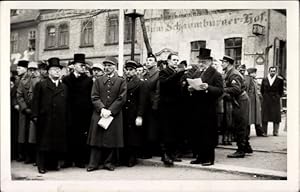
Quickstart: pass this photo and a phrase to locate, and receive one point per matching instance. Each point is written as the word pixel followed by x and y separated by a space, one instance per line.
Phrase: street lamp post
pixel 133 14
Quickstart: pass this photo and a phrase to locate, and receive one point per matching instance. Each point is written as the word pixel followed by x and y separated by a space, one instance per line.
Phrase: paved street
pixel 269 161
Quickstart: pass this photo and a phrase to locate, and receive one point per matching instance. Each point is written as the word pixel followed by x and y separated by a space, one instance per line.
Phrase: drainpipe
pixel 268 46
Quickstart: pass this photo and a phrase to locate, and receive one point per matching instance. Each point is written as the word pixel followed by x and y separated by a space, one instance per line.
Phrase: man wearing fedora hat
pixel 235 91
pixel 108 97
pixel 49 112
pixel 255 102
pixel 203 113
pixel 26 136
pixel 80 107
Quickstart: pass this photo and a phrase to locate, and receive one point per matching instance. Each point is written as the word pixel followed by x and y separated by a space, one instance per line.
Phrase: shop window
pixel 51 37
pixel 112 35
pixel 14 42
pixel 195 47
pixel 280 56
pixel 63 35
pixel 31 40
pixel 233 48
pixel 87 33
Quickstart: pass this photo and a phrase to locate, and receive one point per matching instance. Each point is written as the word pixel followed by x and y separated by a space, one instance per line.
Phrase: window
pixel 112 34
pixel 233 48
pixel 51 37
pixel 14 12
pixel 195 47
pixel 14 42
pixel 31 40
pixel 63 37
pixel 87 37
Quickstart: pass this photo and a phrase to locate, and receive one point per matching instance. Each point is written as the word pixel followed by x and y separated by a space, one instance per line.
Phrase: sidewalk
pixel 268 159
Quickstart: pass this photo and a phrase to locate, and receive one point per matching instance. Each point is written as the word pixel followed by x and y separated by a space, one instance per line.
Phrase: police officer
pixel 235 91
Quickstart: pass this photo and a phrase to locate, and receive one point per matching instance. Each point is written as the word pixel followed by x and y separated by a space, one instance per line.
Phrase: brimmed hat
pixel 243 67
pixel 251 70
pixel 54 62
pixel 42 65
pixel 32 65
pixel 131 63
pixel 111 60
pixel 78 58
pixel 23 63
pixel 204 53
pixel 97 66
pixel 228 59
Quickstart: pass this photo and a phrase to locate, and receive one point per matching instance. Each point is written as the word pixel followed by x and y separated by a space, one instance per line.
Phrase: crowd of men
pixel 162 108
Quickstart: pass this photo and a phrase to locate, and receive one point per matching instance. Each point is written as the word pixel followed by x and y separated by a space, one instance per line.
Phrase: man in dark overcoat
pixel 204 112
pixel 80 107
pixel 255 104
pixel 26 132
pixel 49 108
pixel 132 114
pixel 235 91
pixel 150 124
pixel 272 91
pixel 108 97
pixel 169 80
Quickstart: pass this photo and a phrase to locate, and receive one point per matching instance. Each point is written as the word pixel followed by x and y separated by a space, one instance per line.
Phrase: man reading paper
pixel 205 85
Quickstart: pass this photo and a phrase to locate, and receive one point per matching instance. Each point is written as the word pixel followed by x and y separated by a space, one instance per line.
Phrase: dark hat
pixel 23 63
pixel 227 58
pixel 151 55
pixel 243 66
pixel 131 63
pixel 251 70
pixel 54 62
pixel 139 65
pixel 204 53
pixel 111 60
pixel 42 65
pixel 183 63
pixel 79 58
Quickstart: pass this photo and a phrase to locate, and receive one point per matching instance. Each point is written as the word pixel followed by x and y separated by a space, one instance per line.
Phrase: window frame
pixel 32 38
pixel 60 25
pixel 14 49
pixel 196 50
pixel 47 47
pixel 89 44
pixel 234 48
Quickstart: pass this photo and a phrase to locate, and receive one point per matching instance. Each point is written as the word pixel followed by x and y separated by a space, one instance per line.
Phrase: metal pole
pixel 133 37
pixel 121 42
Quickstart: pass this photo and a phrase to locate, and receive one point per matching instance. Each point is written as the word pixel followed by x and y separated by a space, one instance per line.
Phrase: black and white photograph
pixel 150 96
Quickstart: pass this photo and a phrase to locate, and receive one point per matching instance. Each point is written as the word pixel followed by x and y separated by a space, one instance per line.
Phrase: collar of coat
pixel 134 82
pixel 52 85
pixel 231 72
pixel 112 79
pixel 152 72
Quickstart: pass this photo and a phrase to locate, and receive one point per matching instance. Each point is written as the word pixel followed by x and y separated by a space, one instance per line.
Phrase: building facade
pixel 92 32
pixel 24 33
pixel 256 38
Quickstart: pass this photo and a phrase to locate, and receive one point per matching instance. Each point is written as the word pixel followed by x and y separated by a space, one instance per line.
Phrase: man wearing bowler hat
pixel 235 92
pixel 49 109
pixel 203 108
pixel 80 107
pixel 108 97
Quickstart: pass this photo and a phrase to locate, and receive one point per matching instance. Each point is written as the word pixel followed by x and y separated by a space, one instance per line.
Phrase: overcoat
pixel 204 111
pixel 50 107
pixel 108 93
pixel 170 95
pixel 150 124
pixel 133 107
pixel 80 108
pixel 271 99
pixel 24 96
pixel 254 97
